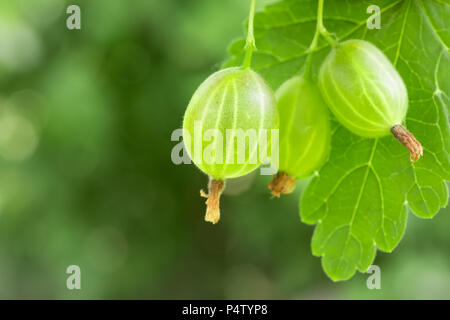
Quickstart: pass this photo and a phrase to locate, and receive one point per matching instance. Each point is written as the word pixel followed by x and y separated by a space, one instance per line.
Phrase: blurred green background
pixel 86 176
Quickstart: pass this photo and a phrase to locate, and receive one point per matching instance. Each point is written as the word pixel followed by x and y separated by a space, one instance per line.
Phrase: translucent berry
pixel 366 93
pixel 304 133
pixel 224 127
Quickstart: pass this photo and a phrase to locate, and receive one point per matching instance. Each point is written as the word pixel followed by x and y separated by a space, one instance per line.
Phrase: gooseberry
pixel 304 132
pixel 366 93
pixel 232 105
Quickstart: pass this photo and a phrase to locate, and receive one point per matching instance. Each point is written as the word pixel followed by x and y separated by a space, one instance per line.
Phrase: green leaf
pixel 360 198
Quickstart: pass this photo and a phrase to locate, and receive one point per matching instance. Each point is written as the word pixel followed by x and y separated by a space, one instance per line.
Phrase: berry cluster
pixel 356 82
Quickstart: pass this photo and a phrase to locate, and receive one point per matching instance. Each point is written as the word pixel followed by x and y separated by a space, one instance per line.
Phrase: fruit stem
pixel 250 43
pixel 282 184
pixel 320 30
pixel 409 141
pixel 213 200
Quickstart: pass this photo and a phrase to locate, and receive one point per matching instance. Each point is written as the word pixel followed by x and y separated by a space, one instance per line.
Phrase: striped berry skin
pixel 304 127
pixel 363 89
pixel 233 98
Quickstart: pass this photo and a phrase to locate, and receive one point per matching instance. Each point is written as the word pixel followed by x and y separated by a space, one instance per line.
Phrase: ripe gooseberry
pixel 235 100
pixel 230 99
pixel 366 93
pixel 304 132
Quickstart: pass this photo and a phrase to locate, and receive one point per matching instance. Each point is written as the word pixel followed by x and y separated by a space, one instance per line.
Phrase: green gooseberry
pixel 304 133
pixel 366 93
pixel 232 103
